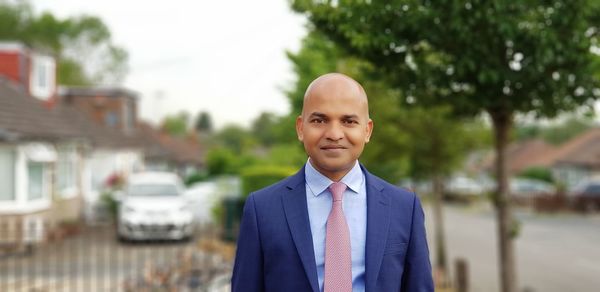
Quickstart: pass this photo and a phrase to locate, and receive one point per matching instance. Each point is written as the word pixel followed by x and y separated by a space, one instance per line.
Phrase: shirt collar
pixel 318 183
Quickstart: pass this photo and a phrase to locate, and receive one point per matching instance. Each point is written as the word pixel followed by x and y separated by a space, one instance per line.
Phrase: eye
pixel 317 121
pixel 352 122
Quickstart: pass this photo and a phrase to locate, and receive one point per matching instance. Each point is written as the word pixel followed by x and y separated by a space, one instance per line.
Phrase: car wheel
pixel 123 239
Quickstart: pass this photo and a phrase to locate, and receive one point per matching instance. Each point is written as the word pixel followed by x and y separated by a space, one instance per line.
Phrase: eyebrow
pixel 318 114
pixel 324 116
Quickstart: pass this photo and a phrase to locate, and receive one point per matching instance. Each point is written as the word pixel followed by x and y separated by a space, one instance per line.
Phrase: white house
pixel 40 159
pixel 53 158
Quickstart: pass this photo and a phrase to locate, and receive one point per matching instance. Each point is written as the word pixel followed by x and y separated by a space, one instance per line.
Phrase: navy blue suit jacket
pixel 275 247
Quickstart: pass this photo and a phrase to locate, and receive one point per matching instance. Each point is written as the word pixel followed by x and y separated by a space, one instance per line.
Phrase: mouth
pixel 333 147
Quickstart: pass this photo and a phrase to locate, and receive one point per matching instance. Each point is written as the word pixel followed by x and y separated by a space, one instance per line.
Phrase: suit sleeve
pixel 248 268
pixel 417 274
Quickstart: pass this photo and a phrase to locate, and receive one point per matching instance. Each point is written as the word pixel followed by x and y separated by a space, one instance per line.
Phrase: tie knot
pixel 337 190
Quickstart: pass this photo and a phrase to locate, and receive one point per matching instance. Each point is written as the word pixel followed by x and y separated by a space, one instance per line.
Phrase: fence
pixel 92 259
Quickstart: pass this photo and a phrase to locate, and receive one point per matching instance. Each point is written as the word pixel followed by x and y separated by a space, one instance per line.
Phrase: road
pixel 555 252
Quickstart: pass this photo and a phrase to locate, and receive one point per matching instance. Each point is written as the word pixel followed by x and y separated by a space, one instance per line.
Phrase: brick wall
pixel 100 107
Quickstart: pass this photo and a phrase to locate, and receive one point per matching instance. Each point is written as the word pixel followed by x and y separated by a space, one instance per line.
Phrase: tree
pixel 176 125
pixel 236 139
pixel 501 58
pixel 435 153
pixel 264 128
pixel 557 133
pixel 564 132
pixel 220 161
pixel 82 44
pixel 203 123
pixel 286 155
pixel 317 56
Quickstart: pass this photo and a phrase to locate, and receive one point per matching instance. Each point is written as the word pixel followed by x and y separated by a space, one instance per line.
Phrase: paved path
pixel 558 252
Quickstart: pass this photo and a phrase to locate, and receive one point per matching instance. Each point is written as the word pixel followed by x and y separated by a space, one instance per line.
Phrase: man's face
pixel 334 127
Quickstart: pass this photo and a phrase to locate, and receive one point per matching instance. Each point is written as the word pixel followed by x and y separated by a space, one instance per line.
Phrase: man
pixel 333 226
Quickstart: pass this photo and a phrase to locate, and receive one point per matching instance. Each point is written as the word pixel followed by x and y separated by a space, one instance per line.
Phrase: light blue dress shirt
pixel 319 201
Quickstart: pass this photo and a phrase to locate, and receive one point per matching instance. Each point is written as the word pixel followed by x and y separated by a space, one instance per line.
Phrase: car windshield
pixel 153 190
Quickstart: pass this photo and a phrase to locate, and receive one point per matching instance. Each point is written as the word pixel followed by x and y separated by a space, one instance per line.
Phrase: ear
pixel 369 130
pixel 299 128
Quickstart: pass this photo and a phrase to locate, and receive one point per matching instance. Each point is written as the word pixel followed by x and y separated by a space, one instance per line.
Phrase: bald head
pixel 335 85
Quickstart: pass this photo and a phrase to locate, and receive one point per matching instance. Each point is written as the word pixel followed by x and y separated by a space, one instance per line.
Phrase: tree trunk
pixel 440 244
pixel 502 122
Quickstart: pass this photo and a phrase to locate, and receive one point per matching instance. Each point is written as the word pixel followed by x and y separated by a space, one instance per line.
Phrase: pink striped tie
pixel 338 264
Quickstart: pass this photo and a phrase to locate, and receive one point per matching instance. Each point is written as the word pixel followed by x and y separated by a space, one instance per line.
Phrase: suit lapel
pixel 378 222
pixel 296 213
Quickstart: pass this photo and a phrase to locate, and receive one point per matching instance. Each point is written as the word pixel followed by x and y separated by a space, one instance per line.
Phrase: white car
pixel 152 207
pixel 529 188
pixel 464 186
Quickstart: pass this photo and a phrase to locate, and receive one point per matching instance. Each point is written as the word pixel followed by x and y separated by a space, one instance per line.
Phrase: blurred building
pixel 33 71
pixel 113 107
pixel 116 108
pixel 41 154
pixel 576 160
pixel 570 163
pixel 58 148
pixel 527 154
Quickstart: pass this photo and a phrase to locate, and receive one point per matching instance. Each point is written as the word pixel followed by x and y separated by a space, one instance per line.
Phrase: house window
pixel 36 181
pixel 111 119
pixel 43 77
pixel 7 175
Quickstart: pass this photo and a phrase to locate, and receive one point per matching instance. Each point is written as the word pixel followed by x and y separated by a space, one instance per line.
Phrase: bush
pixel 195 177
pixel 222 161
pixel 539 173
pixel 229 212
pixel 109 202
pixel 257 177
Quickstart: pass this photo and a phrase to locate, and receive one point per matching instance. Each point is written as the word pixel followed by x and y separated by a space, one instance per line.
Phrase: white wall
pixel 7 173
pixel 98 166
pixel 102 163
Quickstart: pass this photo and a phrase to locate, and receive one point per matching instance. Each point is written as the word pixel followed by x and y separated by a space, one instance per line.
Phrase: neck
pixel 334 175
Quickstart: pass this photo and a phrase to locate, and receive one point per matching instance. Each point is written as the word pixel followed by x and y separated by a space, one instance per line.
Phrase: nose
pixel 334 132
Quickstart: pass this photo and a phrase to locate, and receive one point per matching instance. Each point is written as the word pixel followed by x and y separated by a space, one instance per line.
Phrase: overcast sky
pixel 226 57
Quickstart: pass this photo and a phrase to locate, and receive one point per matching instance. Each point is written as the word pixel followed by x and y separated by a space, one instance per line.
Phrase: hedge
pixel 259 176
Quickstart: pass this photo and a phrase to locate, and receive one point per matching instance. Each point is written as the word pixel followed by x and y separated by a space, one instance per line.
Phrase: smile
pixel 333 148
